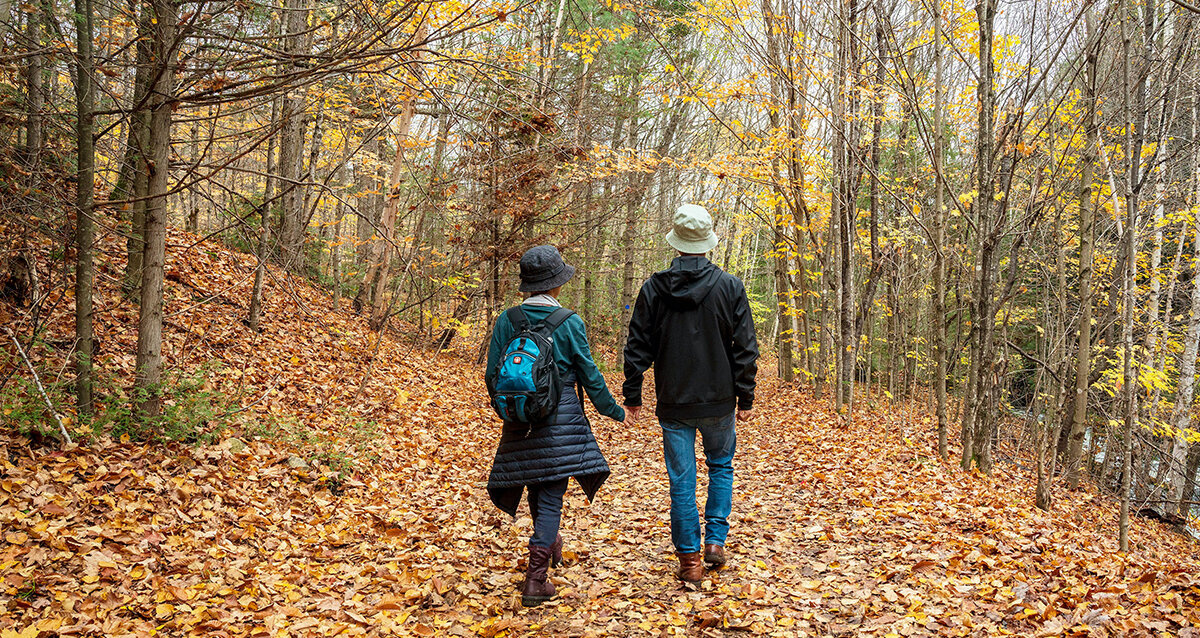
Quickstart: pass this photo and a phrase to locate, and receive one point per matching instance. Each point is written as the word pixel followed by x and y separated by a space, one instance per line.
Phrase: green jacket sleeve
pixel 587 372
pixel 501 333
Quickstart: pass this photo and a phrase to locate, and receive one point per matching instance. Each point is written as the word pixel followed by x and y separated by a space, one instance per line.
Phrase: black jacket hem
pixel 695 410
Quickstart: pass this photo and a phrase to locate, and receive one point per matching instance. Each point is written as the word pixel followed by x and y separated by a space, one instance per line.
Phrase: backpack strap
pixel 555 320
pixel 518 319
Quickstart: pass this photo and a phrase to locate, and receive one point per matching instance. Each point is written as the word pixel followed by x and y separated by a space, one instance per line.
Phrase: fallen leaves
pixel 836 530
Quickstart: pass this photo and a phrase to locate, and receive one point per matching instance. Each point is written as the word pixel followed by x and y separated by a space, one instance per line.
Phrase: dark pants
pixel 545 506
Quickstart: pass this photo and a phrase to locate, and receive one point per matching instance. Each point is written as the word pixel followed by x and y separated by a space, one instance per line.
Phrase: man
pixel 692 323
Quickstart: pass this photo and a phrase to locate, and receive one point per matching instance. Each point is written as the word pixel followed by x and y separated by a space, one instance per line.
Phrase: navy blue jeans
pixel 545 506
pixel 679 450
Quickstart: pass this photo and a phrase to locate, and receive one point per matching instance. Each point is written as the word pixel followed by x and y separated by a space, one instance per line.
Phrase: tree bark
pixel 784 334
pixel 1184 506
pixel 977 437
pixel 34 82
pixel 1134 131
pixel 1177 476
pixel 148 398
pixel 1046 428
pixel 292 118
pixel 134 172
pixel 85 99
pixel 379 271
pixel 1087 219
pixel 264 229
pixel 844 201
pixel 632 201
pixel 938 316
pixel 192 224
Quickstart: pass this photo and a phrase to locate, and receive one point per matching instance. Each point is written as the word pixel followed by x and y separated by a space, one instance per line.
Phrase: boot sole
pixel 534 601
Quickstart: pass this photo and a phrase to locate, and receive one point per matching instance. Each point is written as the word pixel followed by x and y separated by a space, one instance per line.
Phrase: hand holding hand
pixel 631 414
pixel 744 415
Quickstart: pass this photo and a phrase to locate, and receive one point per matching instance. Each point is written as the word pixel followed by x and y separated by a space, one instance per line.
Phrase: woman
pixel 545 456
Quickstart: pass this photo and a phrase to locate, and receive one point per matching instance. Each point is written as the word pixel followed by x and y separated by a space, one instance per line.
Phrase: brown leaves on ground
pixel 836 530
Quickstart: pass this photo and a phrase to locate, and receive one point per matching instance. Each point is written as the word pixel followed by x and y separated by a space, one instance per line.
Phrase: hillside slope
pixel 333 506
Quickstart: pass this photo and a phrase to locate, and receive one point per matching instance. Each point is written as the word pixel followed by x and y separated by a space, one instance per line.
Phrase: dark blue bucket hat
pixel 543 268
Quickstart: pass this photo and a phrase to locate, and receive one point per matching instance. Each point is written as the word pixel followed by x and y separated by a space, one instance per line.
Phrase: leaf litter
pixel 334 506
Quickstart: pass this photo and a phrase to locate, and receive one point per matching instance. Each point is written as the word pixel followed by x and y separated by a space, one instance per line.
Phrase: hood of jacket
pixel 688 281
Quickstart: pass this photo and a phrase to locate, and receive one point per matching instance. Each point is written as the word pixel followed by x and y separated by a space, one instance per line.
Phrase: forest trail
pixel 349 508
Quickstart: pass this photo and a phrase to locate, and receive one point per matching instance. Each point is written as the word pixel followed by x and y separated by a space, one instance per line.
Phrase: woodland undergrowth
pixel 335 486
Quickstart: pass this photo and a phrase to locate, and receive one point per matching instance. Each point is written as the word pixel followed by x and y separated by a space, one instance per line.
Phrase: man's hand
pixel 744 415
pixel 631 414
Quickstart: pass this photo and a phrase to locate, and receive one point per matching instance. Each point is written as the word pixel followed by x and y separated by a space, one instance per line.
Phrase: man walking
pixel 692 323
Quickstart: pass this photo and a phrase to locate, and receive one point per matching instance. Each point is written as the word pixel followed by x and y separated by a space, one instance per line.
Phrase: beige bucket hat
pixel 692 230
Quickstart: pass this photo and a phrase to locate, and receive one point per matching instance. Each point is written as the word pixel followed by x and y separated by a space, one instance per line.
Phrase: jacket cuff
pixel 745 404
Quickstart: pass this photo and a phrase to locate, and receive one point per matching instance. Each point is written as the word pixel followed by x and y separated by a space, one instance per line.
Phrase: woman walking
pixel 544 455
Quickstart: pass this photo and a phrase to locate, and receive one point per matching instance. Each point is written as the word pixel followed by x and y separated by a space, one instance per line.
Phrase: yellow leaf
pixel 164 610
pixel 16 538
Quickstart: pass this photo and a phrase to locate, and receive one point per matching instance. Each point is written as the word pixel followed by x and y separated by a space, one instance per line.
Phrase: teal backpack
pixel 525 385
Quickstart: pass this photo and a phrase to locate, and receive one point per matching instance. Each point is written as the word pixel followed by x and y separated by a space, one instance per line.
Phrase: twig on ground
pixel 274 384
pixel 37 380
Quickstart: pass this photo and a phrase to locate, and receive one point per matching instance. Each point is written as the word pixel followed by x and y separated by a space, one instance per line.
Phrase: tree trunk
pixel 136 157
pixel 335 262
pixel 311 195
pixel 1047 430
pixel 868 294
pixel 1134 131
pixel 84 198
pixel 632 201
pixel 844 207
pixel 379 271
pixel 34 81
pixel 1177 476
pixel 264 229
pixel 292 118
pixel 1087 221
pixel 938 316
pixel 1160 362
pixel 977 420
pixel 783 294
pixel 1188 494
pixel 193 197
pixel 148 398
pixel 1181 415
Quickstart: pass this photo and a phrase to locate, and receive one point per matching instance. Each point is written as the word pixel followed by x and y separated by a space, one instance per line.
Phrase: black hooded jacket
pixel 692 322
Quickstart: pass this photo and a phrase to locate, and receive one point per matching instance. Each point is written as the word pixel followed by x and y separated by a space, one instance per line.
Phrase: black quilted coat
pixel 562 448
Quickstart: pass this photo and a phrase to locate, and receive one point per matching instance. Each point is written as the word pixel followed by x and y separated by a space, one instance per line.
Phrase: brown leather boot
pixel 556 558
pixel 538 588
pixel 691 567
pixel 714 555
